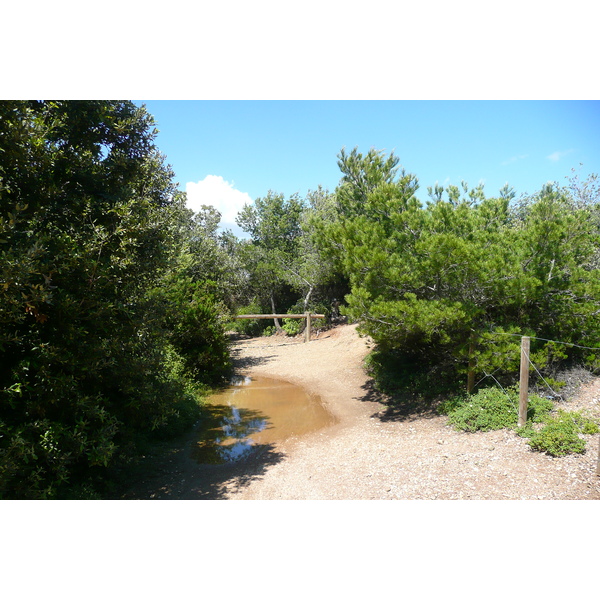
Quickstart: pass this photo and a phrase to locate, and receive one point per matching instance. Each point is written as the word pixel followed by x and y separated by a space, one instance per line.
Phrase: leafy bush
pixel 586 425
pixel 492 408
pixel 292 326
pixel 194 328
pixel 320 308
pixel 403 376
pixel 251 327
pixel 93 359
pixel 561 434
pixel 296 326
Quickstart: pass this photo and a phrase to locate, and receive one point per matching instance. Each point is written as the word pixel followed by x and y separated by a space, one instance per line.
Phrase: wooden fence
pixel 308 316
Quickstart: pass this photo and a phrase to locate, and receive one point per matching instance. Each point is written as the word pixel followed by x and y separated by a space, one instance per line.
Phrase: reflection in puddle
pixel 255 412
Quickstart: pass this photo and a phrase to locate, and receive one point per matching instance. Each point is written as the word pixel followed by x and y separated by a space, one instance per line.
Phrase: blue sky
pixel 229 152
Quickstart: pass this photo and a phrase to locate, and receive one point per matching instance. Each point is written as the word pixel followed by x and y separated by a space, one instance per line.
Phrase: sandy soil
pixel 368 455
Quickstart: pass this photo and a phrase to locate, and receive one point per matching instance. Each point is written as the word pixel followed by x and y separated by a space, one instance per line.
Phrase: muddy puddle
pixel 256 413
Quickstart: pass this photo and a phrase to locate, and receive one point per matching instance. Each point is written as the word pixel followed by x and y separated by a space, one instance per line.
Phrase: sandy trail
pixel 364 456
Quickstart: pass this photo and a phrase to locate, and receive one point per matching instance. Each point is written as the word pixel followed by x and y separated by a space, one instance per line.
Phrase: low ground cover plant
pixel 493 408
pixel 561 434
pixel 556 433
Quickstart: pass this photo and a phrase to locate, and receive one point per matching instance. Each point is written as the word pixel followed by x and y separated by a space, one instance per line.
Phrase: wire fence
pixel 554 393
pixel 520 335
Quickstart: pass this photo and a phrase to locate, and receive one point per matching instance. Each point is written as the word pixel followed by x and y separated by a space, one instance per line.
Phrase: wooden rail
pixel 307 316
pixel 279 316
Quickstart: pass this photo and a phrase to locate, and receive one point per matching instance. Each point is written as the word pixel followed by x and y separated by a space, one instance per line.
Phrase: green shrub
pixel 292 326
pixel 489 409
pixel 296 326
pixel 586 425
pixel 493 408
pixel 406 378
pixel 561 434
pixel 527 431
pixel 251 327
pixel 198 334
pixel 320 308
pixel 538 408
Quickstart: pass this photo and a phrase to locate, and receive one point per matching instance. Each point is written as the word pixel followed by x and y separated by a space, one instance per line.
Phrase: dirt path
pixel 364 456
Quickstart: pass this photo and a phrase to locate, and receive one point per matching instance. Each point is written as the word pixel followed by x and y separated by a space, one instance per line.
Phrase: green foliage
pixel 252 327
pixel 296 326
pixel 284 257
pixel 361 175
pixel 315 274
pixel 465 276
pixel 586 425
pixel 292 326
pixel 213 258
pixel 194 327
pixel 319 308
pixel 493 408
pixel 91 225
pixel 489 409
pixel 411 383
pixel 561 434
pixel 273 224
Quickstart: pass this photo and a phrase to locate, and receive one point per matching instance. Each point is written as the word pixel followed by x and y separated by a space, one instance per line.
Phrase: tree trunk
pixel 307 298
pixel 277 325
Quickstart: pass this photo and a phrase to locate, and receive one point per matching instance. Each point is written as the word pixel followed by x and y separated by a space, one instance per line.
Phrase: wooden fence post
pixel 598 463
pixel 524 381
pixel 307 330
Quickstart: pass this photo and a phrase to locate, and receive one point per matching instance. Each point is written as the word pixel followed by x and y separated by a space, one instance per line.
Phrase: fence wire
pixel 553 392
pixel 573 345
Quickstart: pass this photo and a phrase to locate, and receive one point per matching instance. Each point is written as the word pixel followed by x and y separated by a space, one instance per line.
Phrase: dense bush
pixel 460 278
pixel 90 224
pixel 407 378
pixel 293 326
pixel 252 327
pixel 194 327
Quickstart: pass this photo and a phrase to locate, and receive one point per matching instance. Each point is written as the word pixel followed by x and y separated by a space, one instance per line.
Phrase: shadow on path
pixel 400 407
pixel 180 477
pixel 247 362
pixel 189 470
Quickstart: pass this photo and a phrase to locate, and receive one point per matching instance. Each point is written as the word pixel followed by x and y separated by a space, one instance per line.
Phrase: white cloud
pixel 213 190
pixel 513 159
pixel 556 156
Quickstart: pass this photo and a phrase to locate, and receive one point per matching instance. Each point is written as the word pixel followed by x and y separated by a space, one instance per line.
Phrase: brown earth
pixel 369 454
